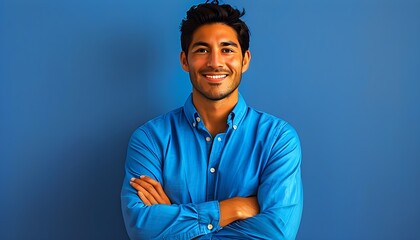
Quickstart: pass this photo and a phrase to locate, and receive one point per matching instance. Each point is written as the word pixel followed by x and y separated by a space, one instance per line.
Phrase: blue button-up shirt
pixel 258 155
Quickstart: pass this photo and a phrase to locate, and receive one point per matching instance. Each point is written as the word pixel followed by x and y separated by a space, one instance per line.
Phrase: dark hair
pixel 207 13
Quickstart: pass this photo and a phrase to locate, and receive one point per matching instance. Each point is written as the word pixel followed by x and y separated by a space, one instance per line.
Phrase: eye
pixel 227 50
pixel 201 50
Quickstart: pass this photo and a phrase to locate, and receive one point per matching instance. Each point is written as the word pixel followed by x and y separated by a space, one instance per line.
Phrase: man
pixel 214 168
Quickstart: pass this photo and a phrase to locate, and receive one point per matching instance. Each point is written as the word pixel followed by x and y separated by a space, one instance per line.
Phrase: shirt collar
pixel 238 112
pixel 234 118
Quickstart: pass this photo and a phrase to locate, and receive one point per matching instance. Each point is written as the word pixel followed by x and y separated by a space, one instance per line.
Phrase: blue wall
pixel 77 77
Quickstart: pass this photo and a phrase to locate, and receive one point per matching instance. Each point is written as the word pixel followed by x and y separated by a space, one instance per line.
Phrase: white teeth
pixel 216 76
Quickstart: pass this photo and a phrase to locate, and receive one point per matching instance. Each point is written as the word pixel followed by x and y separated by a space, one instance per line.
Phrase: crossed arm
pixel 151 192
pixel 274 212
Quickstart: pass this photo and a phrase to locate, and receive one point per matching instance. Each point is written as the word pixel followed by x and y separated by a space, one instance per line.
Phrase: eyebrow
pixel 229 43
pixel 224 44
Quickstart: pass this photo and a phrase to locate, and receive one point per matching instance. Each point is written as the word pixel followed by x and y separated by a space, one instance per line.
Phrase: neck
pixel 214 114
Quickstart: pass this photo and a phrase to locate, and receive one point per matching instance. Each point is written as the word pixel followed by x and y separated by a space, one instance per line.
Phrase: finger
pixel 154 188
pixel 163 198
pixel 135 184
pixel 147 189
pixel 144 195
pixel 144 199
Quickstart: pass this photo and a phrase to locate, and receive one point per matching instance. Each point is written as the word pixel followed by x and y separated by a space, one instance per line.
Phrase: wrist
pixel 229 211
pixel 237 209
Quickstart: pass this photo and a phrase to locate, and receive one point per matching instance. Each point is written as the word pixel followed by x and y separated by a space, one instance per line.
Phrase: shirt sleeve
pixel 280 195
pixel 183 221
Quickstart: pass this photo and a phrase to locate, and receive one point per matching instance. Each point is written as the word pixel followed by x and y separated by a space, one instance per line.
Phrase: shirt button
pixel 212 170
pixel 235 127
pixel 198 119
pixel 219 139
pixel 208 139
pixel 194 124
pixel 209 227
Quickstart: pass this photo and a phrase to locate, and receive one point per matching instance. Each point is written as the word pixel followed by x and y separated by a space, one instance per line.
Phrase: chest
pixel 213 168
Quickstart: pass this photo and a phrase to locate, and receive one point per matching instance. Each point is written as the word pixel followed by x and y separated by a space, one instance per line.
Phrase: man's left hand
pixel 149 190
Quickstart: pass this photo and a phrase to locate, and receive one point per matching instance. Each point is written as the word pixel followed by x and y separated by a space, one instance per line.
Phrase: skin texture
pixel 215 64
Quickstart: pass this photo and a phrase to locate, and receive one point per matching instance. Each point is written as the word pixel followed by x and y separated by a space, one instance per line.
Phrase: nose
pixel 215 59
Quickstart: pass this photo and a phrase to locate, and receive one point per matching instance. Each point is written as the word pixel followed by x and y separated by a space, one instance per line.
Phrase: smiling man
pixel 214 168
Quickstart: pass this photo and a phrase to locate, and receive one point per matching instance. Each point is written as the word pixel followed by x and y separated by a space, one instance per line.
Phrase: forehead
pixel 215 33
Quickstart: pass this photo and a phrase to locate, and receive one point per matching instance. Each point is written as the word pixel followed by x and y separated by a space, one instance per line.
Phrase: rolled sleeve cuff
pixel 209 217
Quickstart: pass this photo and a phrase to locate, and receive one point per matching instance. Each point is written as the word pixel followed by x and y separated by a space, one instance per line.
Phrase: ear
pixel 246 60
pixel 184 61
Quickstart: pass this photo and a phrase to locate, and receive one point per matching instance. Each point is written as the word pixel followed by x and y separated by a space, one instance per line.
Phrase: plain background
pixel 77 77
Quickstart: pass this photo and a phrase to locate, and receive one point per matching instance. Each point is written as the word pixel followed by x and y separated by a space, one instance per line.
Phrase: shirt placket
pixel 217 144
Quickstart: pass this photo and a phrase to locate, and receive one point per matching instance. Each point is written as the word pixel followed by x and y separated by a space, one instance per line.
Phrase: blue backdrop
pixel 77 77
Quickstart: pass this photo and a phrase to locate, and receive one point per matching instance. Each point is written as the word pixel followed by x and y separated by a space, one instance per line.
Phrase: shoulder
pixel 163 120
pixel 282 138
pixel 273 128
pixel 161 123
pixel 268 120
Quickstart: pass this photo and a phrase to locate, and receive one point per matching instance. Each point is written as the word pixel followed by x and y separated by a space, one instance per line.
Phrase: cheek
pixel 197 62
pixel 235 64
pixel 235 59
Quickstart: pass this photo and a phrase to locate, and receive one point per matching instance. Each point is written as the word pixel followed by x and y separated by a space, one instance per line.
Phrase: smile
pixel 216 76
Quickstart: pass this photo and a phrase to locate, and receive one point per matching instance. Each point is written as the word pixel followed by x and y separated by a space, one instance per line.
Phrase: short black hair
pixel 207 13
